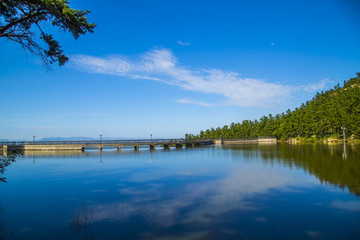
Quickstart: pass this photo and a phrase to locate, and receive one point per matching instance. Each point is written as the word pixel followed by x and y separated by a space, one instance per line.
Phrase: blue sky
pixel 175 67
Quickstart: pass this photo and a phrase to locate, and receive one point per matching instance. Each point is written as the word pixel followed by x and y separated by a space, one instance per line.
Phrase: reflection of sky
pixel 201 187
pixel 351 206
pixel 222 194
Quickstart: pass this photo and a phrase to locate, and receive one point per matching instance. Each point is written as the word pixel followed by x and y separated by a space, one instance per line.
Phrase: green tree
pixel 24 22
pixel 321 117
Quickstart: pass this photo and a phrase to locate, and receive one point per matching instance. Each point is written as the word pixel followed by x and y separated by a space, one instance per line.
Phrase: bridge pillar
pixel 190 145
pixel 152 147
pixel 166 146
pixel 4 150
pixel 118 148
pixel 136 148
pixel 100 149
pixel 178 145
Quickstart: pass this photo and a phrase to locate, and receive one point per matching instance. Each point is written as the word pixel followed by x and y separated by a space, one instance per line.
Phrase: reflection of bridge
pixel 100 144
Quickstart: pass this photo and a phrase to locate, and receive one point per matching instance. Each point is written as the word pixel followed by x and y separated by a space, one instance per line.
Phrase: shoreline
pixel 324 140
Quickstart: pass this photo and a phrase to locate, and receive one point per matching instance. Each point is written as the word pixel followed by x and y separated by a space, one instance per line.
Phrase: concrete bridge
pixel 100 144
pixel 118 144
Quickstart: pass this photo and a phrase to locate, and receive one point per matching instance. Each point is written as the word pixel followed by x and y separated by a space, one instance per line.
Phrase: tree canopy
pixel 322 117
pixel 4 163
pixel 24 22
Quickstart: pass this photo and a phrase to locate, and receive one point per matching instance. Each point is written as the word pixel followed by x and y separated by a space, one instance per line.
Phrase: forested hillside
pixel 322 117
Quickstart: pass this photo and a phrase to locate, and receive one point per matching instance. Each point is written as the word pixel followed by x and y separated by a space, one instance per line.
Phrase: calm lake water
pixel 230 192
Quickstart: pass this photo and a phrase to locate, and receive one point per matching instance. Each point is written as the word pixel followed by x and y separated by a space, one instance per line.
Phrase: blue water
pixel 230 192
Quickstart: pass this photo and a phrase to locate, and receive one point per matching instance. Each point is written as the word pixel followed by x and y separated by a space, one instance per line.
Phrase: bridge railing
pixel 100 142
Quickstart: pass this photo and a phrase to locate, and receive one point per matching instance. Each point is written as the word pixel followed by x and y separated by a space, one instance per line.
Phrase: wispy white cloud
pixel 316 86
pixel 162 65
pixel 200 103
pixel 183 43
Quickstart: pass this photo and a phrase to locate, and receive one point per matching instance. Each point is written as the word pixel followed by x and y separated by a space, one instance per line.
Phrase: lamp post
pixel 100 138
pixel 151 136
pixel 343 128
pixel 34 139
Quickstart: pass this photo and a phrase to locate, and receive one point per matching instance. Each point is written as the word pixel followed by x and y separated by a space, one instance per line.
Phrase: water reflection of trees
pixel 329 163
pixel 5 161
pixel 81 219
